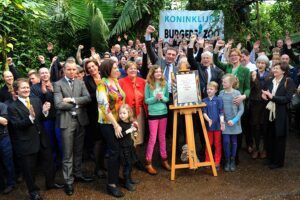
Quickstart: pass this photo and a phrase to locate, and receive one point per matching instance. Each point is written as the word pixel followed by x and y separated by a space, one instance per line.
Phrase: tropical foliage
pixel 27 25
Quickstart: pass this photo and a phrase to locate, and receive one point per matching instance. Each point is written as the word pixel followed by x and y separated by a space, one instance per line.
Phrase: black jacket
pixel 29 137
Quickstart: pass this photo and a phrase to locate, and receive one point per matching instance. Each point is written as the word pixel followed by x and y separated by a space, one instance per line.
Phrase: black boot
pixel 227 166
pixel 133 181
pixel 114 191
pixel 128 185
pixel 232 164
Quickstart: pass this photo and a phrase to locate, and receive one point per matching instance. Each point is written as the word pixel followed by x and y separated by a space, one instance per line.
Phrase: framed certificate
pixel 186 88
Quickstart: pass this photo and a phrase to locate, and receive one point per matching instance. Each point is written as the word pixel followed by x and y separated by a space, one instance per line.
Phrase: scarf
pixel 271 106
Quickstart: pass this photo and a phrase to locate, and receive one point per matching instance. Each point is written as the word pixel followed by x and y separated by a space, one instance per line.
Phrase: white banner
pixel 205 24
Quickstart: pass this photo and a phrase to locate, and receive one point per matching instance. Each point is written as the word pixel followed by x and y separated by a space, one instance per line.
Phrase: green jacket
pixel 157 107
pixel 242 73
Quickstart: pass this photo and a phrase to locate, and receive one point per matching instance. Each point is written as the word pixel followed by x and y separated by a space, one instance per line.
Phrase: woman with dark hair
pixel 110 97
pixel 122 65
pixel 278 94
pixel 94 140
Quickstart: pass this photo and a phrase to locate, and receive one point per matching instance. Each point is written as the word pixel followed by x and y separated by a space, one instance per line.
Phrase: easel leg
pixel 212 162
pixel 190 141
pixel 174 145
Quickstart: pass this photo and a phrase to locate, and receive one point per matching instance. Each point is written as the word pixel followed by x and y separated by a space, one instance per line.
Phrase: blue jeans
pixel 6 154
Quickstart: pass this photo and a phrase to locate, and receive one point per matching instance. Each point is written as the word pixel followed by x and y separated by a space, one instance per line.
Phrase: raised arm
pixel 218 63
pixel 150 51
pixel 192 61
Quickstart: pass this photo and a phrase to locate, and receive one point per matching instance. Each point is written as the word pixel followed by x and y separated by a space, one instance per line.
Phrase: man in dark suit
pixel 167 64
pixel 205 67
pixel 25 115
pixel 70 98
pixel 44 91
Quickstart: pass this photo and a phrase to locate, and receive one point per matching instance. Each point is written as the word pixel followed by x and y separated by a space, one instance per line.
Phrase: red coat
pixel 135 93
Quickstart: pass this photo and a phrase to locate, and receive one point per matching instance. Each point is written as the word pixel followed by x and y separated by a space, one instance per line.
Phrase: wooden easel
pixel 187 111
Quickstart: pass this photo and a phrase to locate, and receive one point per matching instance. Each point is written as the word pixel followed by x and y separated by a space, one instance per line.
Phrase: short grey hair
pixel 207 53
pixel 263 58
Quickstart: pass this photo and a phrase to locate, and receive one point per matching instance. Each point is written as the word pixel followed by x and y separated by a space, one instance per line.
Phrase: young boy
pixel 213 114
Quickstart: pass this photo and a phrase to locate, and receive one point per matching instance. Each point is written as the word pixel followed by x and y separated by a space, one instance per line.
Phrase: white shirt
pixel 208 69
pixel 23 100
pixel 169 77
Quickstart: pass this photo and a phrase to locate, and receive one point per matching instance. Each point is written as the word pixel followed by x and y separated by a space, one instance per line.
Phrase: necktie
pixel 167 71
pixel 71 83
pixel 27 100
pixel 206 75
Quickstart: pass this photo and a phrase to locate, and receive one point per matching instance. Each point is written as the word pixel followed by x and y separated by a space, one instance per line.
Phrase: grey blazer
pixel 62 90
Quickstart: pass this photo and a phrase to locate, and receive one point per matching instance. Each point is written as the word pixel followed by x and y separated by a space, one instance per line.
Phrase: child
pixel 213 114
pixel 126 143
pixel 157 97
pixel 232 115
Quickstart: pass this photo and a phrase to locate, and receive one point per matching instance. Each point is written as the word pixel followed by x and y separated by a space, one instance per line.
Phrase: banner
pixel 205 24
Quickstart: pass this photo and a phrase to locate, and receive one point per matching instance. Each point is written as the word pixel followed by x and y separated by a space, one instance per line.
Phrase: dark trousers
pixel 113 164
pixel 2 181
pixel 28 167
pixel 275 146
pixel 6 154
pixel 259 132
pixel 127 153
pixel 7 159
pixel 55 140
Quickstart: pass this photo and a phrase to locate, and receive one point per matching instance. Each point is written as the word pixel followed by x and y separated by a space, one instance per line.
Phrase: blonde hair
pixel 235 50
pixel 129 110
pixel 213 84
pixel 232 79
pixel 151 79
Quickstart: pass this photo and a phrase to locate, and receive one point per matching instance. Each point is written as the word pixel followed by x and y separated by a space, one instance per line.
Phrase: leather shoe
pixel 35 195
pixel 69 190
pixel 274 166
pixel 166 165
pixel 84 179
pixel 8 189
pixel 55 186
pixel 114 191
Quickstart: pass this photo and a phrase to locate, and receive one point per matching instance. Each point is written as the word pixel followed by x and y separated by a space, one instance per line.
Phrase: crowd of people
pixel 112 105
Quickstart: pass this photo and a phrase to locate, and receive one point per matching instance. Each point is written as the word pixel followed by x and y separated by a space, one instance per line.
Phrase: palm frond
pixel 132 12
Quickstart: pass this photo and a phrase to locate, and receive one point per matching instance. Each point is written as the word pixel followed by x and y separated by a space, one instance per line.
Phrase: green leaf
pixel 10 45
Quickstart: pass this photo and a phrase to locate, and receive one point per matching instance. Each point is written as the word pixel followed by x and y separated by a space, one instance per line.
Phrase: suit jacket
pixel 282 98
pixel 81 96
pixel 29 137
pixel 36 91
pixel 157 60
pixel 216 75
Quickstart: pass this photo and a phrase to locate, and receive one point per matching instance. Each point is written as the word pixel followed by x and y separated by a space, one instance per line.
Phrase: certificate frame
pixel 186 88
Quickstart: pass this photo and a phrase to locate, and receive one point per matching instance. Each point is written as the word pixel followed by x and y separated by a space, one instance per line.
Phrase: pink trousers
pixel 157 127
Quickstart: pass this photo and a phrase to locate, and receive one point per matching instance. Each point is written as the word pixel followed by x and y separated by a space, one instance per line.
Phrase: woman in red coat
pixel 134 86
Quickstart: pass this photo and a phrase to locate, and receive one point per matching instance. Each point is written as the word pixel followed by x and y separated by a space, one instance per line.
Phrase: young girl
pixel 156 96
pixel 213 114
pixel 129 127
pixel 232 115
